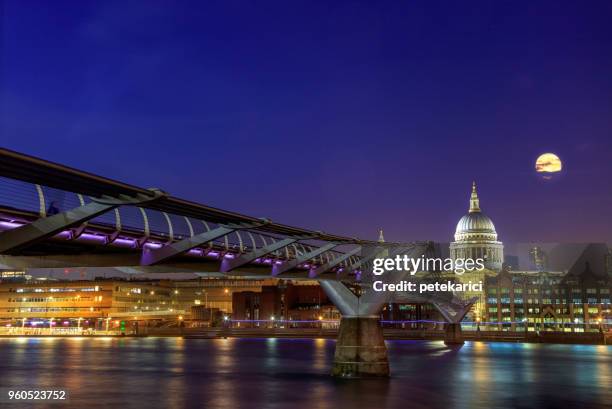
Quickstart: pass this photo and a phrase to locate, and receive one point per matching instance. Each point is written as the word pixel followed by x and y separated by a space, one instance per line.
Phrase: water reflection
pixel 280 373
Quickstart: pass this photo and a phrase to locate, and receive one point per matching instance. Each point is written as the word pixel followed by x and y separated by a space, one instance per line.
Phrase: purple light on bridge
pixel 229 255
pixel 153 245
pixel 95 237
pixel 63 234
pixel 10 225
pixel 213 254
pixel 125 242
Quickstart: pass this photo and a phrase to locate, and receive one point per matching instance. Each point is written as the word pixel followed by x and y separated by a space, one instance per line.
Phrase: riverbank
pixel 592 338
pixel 589 338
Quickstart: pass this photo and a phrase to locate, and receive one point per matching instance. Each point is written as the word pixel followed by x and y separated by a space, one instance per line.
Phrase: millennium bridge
pixel 56 217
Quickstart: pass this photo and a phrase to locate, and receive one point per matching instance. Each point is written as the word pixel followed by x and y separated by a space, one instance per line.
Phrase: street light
pixel 79 323
pixel 23 321
pixel 575 324
pixel 600 326
pixel 107 322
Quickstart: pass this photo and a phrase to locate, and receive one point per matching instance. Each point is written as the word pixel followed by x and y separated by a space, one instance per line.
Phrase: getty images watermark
pixel 458 266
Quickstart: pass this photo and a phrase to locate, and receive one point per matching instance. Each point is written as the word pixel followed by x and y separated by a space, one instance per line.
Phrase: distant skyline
pixel 343 117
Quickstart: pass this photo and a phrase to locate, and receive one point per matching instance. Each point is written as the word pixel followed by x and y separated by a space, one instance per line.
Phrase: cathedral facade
pixel 476 237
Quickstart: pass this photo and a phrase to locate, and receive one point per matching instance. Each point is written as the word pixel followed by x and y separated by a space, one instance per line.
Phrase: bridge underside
pixel 63 218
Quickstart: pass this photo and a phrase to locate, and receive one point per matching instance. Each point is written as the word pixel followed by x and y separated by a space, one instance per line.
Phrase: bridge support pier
pixel 360 349
pixel 453 334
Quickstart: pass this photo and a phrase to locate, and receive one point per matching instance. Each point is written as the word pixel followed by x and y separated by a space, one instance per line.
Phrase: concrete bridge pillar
pixel 360 348
pixel 453 334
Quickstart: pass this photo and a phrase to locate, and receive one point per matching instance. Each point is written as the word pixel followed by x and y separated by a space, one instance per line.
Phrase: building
pixel 555 301
pixel 211 292
pixel 284 302
pixel 91 303
pixel 538 258
pixel 410 315
pixel 82 303
pixel 14 276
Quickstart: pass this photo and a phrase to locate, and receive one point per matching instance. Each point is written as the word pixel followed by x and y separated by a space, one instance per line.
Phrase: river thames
pixel 283 373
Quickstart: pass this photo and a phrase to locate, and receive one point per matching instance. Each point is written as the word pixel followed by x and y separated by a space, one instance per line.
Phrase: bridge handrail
pixel 38 171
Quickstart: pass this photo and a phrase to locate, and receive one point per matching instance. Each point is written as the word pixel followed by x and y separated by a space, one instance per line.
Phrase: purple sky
pixel 343 117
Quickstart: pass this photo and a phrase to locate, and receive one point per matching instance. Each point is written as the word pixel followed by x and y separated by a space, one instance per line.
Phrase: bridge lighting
pixel 272 318
pixel 226 291
pixel 225 318
pixel 176 291
pixel 180 317
pixel 320 318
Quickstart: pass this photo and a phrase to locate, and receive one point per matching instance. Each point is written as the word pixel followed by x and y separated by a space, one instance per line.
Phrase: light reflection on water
pixel 280 373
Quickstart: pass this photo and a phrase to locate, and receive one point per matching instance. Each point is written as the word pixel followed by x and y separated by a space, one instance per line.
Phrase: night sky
pixel 342 117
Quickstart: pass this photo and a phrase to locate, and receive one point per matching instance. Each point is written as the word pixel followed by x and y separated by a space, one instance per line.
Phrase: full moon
pixel 548 163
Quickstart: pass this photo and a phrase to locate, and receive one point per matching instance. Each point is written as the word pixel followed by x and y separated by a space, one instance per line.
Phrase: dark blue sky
pixel 337 116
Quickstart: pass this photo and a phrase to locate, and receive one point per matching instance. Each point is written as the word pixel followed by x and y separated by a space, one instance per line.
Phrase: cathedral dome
pixel 475 225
